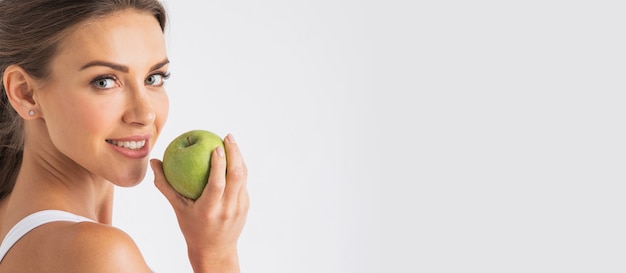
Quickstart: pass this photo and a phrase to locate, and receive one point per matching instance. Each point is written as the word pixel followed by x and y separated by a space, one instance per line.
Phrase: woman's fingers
pixel 214 189
pixel 236 173
pixel 228 175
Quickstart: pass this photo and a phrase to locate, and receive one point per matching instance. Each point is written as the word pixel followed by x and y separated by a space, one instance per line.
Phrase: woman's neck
pixel 46 182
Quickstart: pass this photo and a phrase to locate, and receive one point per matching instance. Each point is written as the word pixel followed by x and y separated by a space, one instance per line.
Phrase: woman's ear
pixel 19 88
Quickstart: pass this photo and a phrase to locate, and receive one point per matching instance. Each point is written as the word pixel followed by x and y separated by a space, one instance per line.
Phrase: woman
pixel 82 105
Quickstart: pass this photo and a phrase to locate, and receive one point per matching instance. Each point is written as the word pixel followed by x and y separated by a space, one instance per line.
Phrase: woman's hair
pixel 30 31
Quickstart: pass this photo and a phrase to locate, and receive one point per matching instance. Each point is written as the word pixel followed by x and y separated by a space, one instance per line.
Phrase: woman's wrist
pixel 223 261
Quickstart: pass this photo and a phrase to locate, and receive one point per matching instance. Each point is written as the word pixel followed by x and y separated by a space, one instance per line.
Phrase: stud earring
pixel 31 113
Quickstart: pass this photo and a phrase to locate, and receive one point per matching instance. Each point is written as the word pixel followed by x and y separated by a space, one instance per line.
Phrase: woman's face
pixel 104 103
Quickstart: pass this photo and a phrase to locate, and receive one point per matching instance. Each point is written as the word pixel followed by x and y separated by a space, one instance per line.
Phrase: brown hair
pixel 30 31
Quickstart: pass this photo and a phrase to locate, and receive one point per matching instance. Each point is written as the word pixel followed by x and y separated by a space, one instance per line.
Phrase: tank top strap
pixel 34 220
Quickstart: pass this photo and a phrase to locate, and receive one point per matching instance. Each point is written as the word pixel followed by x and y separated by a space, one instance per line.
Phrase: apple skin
pixel 187 161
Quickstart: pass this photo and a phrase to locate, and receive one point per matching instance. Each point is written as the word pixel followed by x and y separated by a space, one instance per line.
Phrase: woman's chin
pixel 130 179
pixel 128 184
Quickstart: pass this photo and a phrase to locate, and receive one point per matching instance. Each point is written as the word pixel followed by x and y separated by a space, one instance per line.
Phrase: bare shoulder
pixel 93 247
pixel 75 247
pixel 96 248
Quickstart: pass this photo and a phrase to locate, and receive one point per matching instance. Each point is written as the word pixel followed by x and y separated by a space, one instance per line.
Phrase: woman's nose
pixel 140 110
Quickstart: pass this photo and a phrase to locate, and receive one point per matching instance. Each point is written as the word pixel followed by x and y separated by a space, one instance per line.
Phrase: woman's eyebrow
pixel 120 67
pixel 160 64
pixel 113 66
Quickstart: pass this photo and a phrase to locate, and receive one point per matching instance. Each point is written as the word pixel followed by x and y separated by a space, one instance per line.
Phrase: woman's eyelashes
pixel 157 79
pixel 106 82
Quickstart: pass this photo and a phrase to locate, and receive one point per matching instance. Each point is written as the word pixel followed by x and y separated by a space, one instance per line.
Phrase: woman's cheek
pixel 162 112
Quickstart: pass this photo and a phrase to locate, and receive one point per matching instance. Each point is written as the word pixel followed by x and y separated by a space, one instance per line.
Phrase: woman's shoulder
pixel 94 247
pixel 98 243
pixel 80 247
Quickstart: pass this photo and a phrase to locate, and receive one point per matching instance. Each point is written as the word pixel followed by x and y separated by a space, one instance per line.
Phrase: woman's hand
pixel 212 224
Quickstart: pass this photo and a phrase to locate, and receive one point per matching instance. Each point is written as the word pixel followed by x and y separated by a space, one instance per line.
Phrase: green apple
pixel 187 159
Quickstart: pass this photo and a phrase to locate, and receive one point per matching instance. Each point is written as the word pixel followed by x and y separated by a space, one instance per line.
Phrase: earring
pixel 31 113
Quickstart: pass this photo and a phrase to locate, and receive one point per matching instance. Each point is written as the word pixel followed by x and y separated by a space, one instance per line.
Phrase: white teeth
pixel 133 145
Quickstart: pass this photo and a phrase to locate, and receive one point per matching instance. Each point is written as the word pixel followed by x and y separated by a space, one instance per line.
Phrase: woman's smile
pixel 134 147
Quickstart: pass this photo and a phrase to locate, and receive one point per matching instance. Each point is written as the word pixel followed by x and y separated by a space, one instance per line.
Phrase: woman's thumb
pixel 161 182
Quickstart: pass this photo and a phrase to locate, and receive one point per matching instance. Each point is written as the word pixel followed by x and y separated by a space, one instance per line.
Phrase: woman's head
pixel 35 36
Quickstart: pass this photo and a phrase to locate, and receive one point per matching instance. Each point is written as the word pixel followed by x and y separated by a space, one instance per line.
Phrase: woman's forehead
pixel 123 37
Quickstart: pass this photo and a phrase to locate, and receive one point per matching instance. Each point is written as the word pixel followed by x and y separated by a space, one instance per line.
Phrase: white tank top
pixel 34 220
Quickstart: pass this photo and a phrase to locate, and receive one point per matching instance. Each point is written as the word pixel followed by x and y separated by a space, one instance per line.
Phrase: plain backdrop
pixel 404 136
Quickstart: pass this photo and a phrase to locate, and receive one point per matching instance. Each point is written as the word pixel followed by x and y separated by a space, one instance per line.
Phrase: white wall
pixel 404 136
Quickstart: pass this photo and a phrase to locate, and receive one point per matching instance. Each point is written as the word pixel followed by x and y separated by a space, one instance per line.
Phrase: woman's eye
pixel 156 79
pixel 104 83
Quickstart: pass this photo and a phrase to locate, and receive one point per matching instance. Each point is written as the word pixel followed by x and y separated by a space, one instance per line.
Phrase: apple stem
pixel 189 141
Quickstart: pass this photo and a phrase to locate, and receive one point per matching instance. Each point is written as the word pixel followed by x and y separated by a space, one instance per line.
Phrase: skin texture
pixel 106 84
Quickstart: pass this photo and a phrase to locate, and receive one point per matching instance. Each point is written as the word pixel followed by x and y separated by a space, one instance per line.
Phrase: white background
pixel 404 136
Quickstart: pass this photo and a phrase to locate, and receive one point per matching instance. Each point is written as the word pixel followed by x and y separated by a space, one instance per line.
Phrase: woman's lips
pixel 131 147
pixel 131 144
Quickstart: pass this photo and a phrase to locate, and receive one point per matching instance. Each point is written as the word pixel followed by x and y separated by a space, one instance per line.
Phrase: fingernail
pixel 231 138
pixel 220 151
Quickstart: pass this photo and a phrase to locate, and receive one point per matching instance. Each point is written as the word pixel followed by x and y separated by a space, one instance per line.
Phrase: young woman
pixel 81 106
